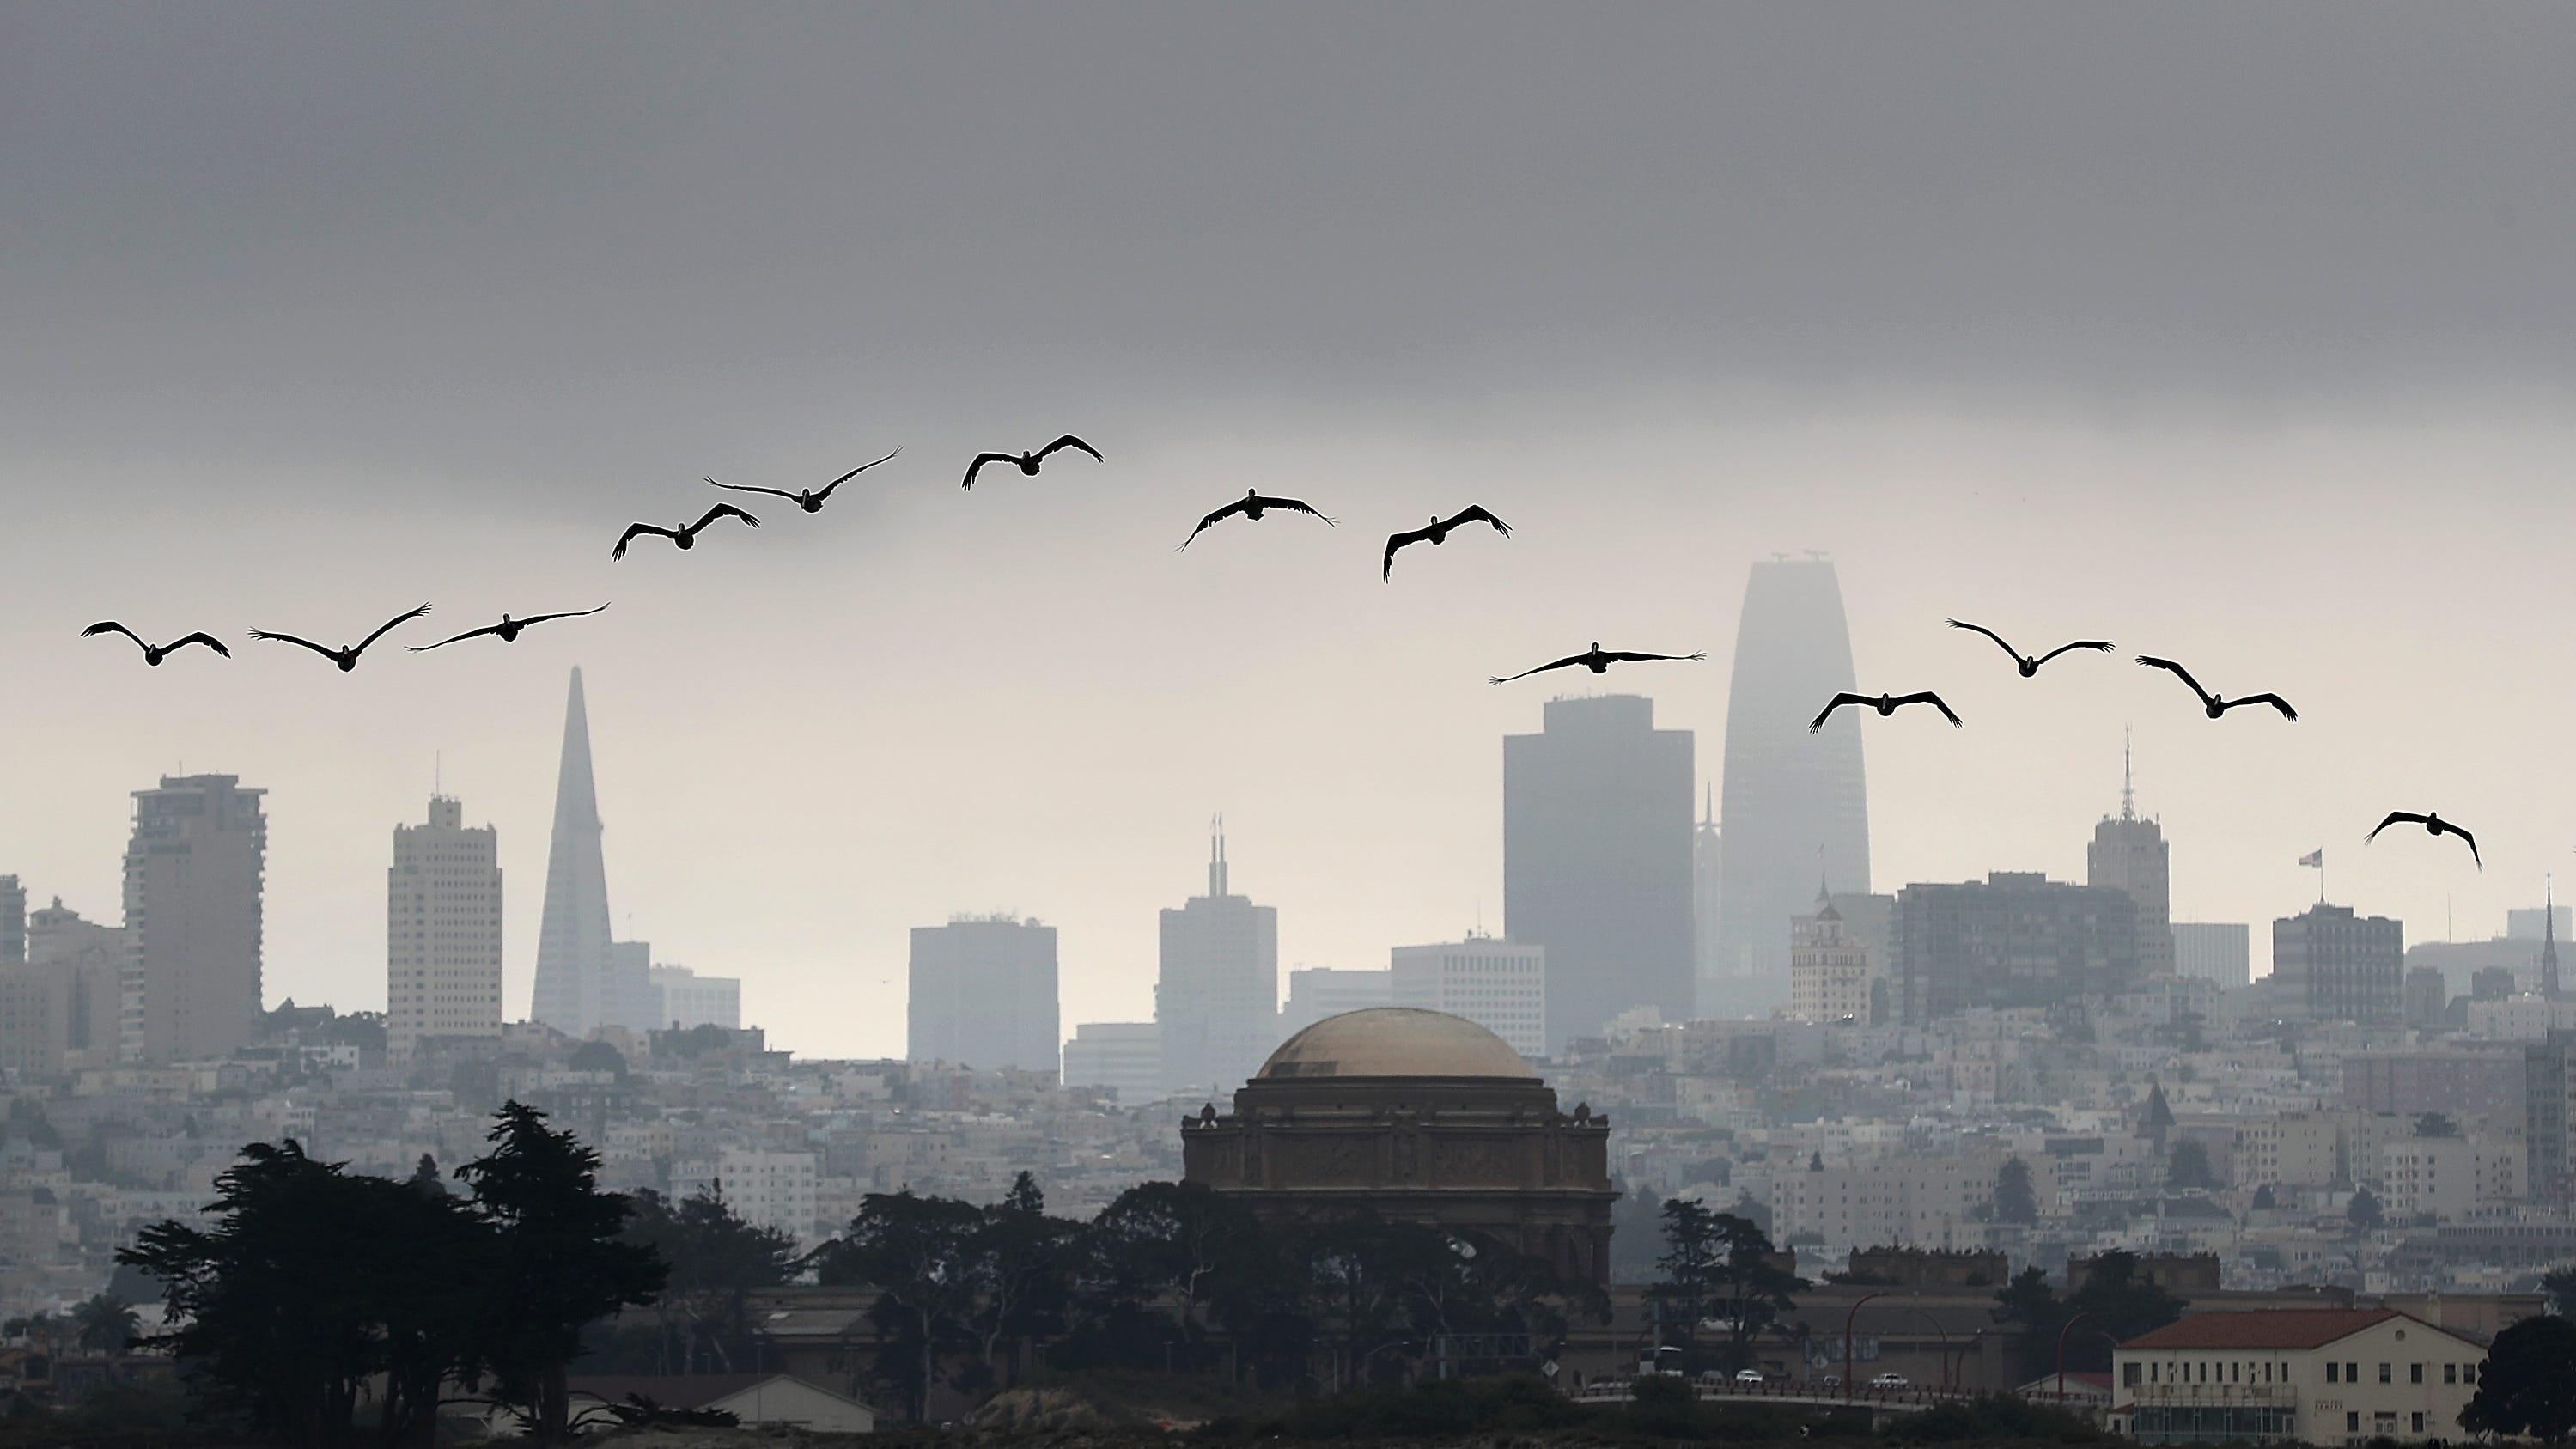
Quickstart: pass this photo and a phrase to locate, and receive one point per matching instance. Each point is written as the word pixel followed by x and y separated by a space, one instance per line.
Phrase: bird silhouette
pixel 1596 659
pixel 2211 704
pixel 2433 825
pixel 346 656
pixel 686 535
pixel 153 654
pixel 2023 662
pixel 810 499
pixel 1251 505
pixel 1028 462
pixel 1437 533
pixel 1885 704
pixel 507 631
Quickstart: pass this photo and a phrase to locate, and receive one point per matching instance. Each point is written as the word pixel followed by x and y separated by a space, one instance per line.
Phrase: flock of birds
pixel 1250 507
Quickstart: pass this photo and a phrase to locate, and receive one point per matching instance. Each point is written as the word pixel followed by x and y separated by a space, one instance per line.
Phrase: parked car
pixel 1889 1381
pixel 1749 1376
pixel 1831 1381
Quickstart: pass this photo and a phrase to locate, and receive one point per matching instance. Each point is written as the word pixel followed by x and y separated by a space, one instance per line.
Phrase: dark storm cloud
pixel 512 238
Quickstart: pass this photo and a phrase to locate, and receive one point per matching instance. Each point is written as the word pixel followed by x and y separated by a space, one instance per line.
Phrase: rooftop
pixel 2265 1328
pixel 1395 1041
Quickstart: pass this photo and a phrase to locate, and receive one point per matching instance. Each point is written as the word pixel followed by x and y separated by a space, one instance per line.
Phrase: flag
pixel 2316 858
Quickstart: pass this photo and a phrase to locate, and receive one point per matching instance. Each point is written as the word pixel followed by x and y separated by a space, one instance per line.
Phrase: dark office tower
pixel 2330 965
pixel 2014 940
pixel 13 921
pixel 1217 1000
pixel 1597 860
pixel 575 988
pixel 192 920
pixel 983 994
pixel 1793 805
pixel 2129 854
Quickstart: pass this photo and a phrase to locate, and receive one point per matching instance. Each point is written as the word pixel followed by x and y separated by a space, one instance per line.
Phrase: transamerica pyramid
pixel 573 991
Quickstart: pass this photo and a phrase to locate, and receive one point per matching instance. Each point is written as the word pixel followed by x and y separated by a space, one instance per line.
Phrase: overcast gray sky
pixel 2245 334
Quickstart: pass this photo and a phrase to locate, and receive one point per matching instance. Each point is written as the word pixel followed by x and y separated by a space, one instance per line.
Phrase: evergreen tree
pixel 2015 1202
pixel 915 1252
pixel 105 1325
pixel 2030 1304
pixel 2560 1285
pixel 561 1261
pixel 2525 1387
pixel 2188 1169
pixel 717 1260
pixel 1018 1260
pixel 425 1178
pixel 2264 1200
pixel 2363 1211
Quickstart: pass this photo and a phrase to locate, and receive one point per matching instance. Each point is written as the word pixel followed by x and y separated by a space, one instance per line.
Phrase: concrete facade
pixel 193 876
pixel 983 992
pixel 1216 1000
pixel 442 930
pixel 1499 985
pixel 2317 1376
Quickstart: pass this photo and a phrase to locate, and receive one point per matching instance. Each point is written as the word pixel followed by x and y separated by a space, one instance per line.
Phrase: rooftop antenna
pixel 2128 791
pixel 438 772
pixel 1216 854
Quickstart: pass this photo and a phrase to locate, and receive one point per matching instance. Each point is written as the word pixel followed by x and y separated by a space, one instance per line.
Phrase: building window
pixel 2129 1375
pixel 2415 1375
pixel 2351 1372
pixel 2383 1374
pixel 2419 1423
pixel 2331 1375
pixel 2450 1373
pixel 2352 1421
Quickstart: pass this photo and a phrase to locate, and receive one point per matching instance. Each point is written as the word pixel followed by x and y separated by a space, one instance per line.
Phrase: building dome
pixel 1394 1041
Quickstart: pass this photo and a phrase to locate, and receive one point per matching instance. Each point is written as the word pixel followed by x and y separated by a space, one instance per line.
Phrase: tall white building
pixel 1499 985
pixel 1124 1056
pixel 1830 973
pixel 442 930
pixel 767 1189
pixel 689 999
pixel 1217 1000
pixel 1316 992
pixel 193 876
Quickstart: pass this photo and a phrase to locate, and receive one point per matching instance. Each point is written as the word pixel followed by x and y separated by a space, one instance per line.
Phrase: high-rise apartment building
pixel 1316 992
pixel 1499 985
pixel 2330 965
pixel 89 960
pixel 442 930
pixel 2016 939
pixel 2549 1118
pixel 577 989
pixel 1597 860
pixel 2129 854
pixel 1126 1057
pixel 2217 951
pixel 1217 1000
pixel 1830 972
pixel 13 921
pixel 984 994
pixel 193 873
pixel 689 999
pixel 1793 805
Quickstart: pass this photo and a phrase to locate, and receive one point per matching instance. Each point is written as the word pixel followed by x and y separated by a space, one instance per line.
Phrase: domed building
pixel 1415 1116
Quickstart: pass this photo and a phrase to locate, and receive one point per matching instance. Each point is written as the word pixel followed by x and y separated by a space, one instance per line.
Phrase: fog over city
pixel 2244 336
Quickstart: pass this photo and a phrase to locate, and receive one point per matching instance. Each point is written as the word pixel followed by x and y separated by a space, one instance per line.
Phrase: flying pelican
pixel 2211 704
pixel 1028 463
pixel 2025 663
pixel 809 499
pixel 507 631
pixel 1596 659
pixel 153 654
pixel 2433 825
pixel 686 535
pixel 346 656
pixel 1437 532
pixel 1251 505
pixel 1885 704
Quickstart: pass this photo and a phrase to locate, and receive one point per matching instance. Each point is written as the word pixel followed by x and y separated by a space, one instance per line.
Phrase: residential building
pixel 1124 1056
pixel 1217 997
pixel 442 930
pixel 2310 1375
pixel 1499 985
pixel 1793 803
pixel 90 959
pixel 1903 1201
pixel 1316 992
pixel 689 999
pixel 1597 861
pixel 2330 965
pixel 984 992
pixel 768 1189
pixel 2470 1081
pixel 2129 855
pixel 576 990
pixel 2447 1177
pixel 1831 975
pixel 193 876
pixel 2549 1118
pixel 2214 951
pixel 13 921
pixel 2289 1149
pixel 2015 939
pixel 2425 997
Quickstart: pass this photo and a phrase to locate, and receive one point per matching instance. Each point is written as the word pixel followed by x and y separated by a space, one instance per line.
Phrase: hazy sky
pixel 2244 334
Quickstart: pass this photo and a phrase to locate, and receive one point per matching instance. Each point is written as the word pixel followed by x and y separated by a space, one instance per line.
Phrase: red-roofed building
pixel 2320 1375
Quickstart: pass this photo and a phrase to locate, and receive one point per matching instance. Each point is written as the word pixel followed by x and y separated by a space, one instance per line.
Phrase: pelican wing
pixel 1070 441
pixel 2102 644
pixel 1299 505
pixel 1934 700
pixel 2180 673
pixel 1625 656
pixel 1818 723
pixel 566 614
pixel 750 488
pixel 2274 700
pixel 456 638
pixel 1475 513
pixel 2395 817
pixel 330 654
pixel 722 510
pixel 110 626
pixel 1222 514
pixel 978 465
pixel 2468 840
pixel 1542 669
pixel 853 473
pixel 1395 541
pixel 638 530
pixel 388 624
pixel 209 640
pixel 1989 633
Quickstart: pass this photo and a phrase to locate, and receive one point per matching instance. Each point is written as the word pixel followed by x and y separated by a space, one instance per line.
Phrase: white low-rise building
pixel 2316 1375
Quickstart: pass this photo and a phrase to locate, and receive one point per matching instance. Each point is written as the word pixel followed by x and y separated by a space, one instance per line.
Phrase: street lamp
pixel 1847 1335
